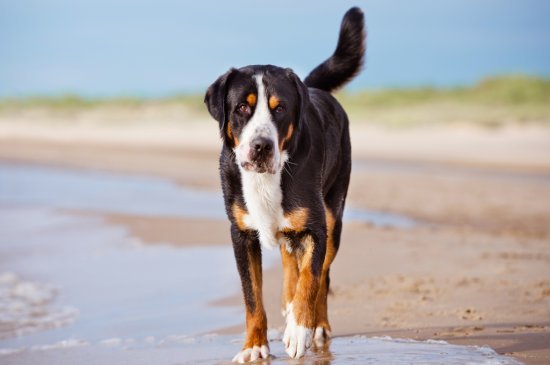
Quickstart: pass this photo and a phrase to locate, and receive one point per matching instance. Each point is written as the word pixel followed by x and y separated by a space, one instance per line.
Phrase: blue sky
pixel 154 48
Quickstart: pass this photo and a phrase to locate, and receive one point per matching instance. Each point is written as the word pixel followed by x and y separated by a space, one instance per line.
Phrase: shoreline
pixel 477 274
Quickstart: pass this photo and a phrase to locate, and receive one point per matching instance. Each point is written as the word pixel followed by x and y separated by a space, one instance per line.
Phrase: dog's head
pixel 259 110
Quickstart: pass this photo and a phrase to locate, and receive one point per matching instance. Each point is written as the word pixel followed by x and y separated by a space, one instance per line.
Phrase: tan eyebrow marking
pixel 273 102
pixel 251 99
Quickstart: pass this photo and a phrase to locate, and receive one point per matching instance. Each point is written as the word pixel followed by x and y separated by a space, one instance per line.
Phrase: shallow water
pixel 212 349
pixel 105 283
pixel 131 194
pixel 76 290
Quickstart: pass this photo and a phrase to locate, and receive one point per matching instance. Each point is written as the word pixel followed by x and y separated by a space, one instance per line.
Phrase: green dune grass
pixel 491 102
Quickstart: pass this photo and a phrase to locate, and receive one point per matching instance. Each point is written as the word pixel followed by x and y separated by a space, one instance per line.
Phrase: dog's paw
pixel 322 335
pixel 297 339
pixel 252 354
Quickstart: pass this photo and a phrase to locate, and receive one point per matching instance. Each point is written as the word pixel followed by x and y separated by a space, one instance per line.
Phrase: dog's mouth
pixel 259 168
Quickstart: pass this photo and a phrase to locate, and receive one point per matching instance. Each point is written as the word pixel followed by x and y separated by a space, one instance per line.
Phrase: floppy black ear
pixel 215 97
pixel 303 94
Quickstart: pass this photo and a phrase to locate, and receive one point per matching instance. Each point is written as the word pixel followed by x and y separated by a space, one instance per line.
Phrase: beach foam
pixel 27 307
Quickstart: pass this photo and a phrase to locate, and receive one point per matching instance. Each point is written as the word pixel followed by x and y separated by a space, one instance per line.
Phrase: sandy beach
pixel 473 269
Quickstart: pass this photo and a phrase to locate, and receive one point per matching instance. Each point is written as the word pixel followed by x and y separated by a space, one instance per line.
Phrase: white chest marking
pixel 263 197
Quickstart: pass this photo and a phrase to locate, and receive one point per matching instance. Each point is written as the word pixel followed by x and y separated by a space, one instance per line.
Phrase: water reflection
pixel 130 194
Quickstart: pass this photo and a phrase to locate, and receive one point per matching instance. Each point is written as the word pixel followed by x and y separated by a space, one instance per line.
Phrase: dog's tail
pixel 347 59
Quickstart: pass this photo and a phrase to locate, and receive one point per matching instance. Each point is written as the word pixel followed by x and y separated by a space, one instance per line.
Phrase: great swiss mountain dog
pixel 285 167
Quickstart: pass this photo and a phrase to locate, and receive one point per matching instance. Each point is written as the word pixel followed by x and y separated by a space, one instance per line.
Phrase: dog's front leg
pixel 249 263
pixel 300 316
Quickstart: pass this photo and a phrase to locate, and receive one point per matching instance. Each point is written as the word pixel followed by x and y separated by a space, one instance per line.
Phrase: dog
pixel 285 167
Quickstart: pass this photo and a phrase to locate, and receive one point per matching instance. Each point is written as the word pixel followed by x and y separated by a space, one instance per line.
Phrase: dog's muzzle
pixel 260 156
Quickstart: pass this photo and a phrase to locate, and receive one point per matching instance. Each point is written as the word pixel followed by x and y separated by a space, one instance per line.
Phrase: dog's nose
pixel 262 145
pixel 261 150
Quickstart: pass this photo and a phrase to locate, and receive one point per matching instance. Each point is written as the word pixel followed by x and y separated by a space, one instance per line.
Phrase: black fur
pixel 215 98
pixel 347 60
pixel 318 170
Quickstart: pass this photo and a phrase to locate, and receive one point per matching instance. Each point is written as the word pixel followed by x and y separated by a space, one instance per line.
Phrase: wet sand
pixel 214 349
pixel 76 282
pixel 473 270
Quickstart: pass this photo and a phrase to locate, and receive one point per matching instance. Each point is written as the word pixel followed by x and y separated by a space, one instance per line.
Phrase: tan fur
pixel 251 99
pixel 229 133
pixel 322 295
pixel 287 137
pixel 297 219
pixel 256 322
pixel 309 294
pixel 273 102
pixel 239 214
pixel 304 301
pixel 290 276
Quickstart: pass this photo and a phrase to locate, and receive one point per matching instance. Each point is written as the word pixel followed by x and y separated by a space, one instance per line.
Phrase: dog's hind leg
pixel 335 201
pixel 322 328
pixel 249 263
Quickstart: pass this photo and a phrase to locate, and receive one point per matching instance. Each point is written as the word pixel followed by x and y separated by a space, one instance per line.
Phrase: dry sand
pixel 475 270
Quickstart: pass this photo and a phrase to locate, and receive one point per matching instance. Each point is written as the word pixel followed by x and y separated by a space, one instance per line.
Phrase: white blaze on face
pixel 260 125
pixel 262 191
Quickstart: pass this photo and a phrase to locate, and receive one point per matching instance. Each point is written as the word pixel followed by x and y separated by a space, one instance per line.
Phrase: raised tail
pixel 347 60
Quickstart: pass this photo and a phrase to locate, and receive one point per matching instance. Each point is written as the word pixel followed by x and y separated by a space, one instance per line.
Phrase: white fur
pixel 262 191
pixel 297 339
pixel 260 125
pixel 321 336
pixel 263 197
pixel 252 354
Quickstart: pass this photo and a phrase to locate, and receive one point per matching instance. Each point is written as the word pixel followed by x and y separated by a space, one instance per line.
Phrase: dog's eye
pixel 243 109
pixel 279 109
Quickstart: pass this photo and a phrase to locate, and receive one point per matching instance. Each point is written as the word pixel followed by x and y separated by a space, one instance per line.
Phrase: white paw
pixel 252 354
pixel 321 336
pixel 297 339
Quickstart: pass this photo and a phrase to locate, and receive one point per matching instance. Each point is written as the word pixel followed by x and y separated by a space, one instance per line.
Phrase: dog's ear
pixel 215 98
pixel 303 94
